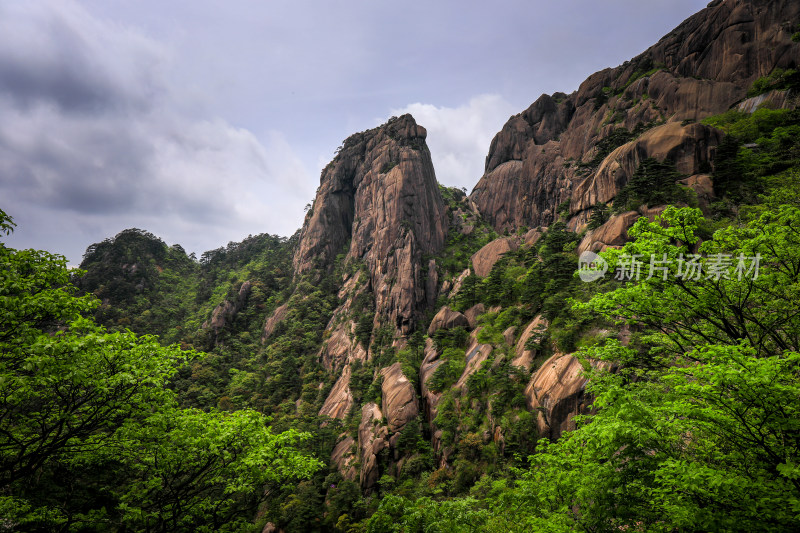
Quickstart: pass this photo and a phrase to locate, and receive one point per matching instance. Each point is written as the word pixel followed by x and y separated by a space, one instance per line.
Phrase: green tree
pixel 699 430
pixel 90 433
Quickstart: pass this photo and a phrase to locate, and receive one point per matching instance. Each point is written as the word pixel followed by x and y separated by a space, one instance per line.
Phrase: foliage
pixel 653 183
pixel 91 434
pixel 757 146
pixel 777 80
pixel 600 215
pixel 698 428
pixel 684 312
pixel 704 439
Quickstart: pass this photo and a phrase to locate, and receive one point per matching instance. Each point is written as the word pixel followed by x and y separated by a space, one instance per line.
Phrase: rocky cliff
pixel 379 217
pixel 385 256
pixel 379 203
pixel 583 147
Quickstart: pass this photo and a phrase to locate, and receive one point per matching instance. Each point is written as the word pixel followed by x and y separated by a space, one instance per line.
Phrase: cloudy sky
pixel 205 121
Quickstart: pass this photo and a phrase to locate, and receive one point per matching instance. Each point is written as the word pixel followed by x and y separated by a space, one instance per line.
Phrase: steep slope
pixel 584 147
pixel 326 331
pixel 378 203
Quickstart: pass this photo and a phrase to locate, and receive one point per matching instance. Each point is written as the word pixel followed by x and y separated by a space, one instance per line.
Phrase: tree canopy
pixel 91 434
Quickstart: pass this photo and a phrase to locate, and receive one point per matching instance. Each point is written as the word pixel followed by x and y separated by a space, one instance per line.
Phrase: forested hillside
pixel 603 335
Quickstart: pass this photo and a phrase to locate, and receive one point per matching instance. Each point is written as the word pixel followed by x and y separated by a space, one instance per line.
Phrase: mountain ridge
pixel 426 334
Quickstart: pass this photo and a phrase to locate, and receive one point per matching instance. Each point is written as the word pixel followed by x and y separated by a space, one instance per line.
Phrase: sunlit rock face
pixel 553 152
pixel 379 203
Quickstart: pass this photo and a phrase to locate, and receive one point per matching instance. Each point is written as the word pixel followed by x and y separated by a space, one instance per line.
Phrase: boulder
pixel 532 237
pixel 446 318
pixel 613 233
pixel 703 186
pixel 473 313
pixel 523 357
pixel 509 334
pixel 484 259
pixel 272 322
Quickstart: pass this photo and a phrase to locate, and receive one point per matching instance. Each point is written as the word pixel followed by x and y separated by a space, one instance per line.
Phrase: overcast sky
pixel 204 121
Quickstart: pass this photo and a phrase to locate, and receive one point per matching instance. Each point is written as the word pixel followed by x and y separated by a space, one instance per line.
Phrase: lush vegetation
pixel 697 431
pixel 696 428
pixel 92 437
pixel 214 425
pixel 759 152
pixel 653 183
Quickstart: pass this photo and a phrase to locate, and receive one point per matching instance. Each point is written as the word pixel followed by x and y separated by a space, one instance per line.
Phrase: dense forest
pixel 442 363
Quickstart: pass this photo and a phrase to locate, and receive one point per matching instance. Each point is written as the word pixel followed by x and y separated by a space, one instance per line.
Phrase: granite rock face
pixel 614 232
pixel 380 195
pixel 340 399
pixel 379 206
pixel 551 153
pixel 523 356
pixel 446 318
pixel 399 399
pixel 558 392
pixel 689 147
pixel 272 322
pixel 224 313
pixel 373 438
pixel 484 259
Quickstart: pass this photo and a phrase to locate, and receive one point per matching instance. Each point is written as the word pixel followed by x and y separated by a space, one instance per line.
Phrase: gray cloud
pixel 93 140
pixel 203 123
pixel 56 53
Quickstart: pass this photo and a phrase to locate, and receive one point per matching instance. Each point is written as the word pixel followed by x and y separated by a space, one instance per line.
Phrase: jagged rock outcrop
pixel 342 346
pixel 344 458
pixel 532 237
pixel 372 440
pixel 430 363
pixel 509 335
pixel 523 357
pixel 446 318
pixel 380 194
pixel 614 232
pixel 399 399
pixel 703 187
pixel 557 391
pixel 340 399
pixel 552 152
pixel 476 354
pixel 452 289
pixel 689 147
pixel 274 319
pixel 473 313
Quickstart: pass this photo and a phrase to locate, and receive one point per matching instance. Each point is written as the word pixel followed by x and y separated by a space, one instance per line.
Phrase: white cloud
pixel 459 137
